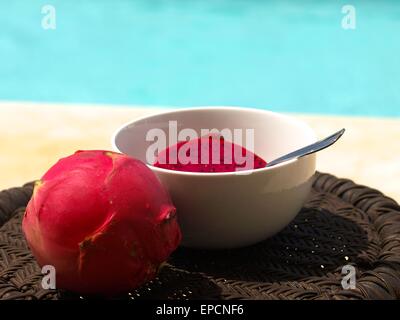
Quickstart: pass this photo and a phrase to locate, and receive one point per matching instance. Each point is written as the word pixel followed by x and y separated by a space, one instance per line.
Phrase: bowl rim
pixel 200 108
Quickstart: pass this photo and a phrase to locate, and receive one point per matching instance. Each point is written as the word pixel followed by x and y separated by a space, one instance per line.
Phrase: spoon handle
pixel 314 147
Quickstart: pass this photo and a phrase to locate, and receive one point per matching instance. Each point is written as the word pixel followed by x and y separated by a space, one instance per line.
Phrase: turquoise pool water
pixel 282 55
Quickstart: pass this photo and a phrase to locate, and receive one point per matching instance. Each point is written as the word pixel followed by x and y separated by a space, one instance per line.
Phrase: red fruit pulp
pixel 208 154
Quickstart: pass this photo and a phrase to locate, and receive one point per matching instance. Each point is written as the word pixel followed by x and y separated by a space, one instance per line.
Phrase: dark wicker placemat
pixel 341 224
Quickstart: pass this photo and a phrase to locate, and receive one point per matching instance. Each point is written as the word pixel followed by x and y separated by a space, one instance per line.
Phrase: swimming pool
pixel 282 55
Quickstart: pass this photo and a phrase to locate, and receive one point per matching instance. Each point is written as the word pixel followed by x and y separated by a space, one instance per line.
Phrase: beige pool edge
pixel 36 135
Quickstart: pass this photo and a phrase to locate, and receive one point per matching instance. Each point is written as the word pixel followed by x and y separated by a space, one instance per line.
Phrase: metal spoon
pixel 314 147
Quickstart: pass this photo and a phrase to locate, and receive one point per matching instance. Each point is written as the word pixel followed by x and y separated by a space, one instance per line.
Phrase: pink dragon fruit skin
pixel 103 220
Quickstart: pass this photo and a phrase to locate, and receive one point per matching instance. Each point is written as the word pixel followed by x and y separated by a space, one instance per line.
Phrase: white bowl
pixel 228 210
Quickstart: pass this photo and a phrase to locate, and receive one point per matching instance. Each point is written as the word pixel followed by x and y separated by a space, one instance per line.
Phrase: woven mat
pixel 341 224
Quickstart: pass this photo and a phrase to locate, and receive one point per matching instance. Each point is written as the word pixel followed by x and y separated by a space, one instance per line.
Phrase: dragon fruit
pixel 210 153
pixel 103 220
